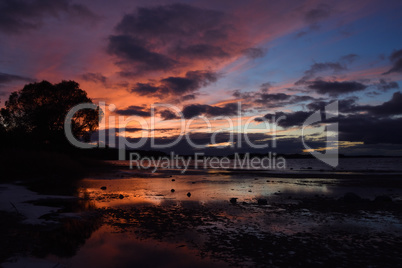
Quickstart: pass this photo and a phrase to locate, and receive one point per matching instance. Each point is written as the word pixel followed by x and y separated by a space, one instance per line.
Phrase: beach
pixel 218 218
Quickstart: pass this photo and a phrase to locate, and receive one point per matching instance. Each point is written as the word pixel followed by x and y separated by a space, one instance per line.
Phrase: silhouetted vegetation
pixel 32 140
pixel 35 115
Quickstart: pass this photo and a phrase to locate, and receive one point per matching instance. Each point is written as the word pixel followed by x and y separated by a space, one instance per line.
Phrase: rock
pixel 262 201
pixel 173 180
pixel 351 198
pixel 383 198
pixel 103 188
pixel 172 190
pixel 188 194
pixel 309 168
pixel 121 196
pixel 233 200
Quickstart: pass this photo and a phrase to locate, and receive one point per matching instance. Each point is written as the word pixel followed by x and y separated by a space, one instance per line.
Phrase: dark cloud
pixel 350 58
pixel 194 110
pixel 128 129
pixel 238 94
pixel 272 98
pixel 391 107
pixel 350 132
pixel 94 77
pixel 201 51
pixel 317 14
pixel 396 59
pixel 176 86
pixel 262 98
pixel 313 81
pixel 17 16
pixel 134 110
pixel 365 123
pixel 329 67
pixel 370 129
pixel 289 119
pixel 373 94
pixel 171 21
pixel 314 16
pixel 168 115
pixel 265 87
pixel 135 129
pixel 174 37
pixel 335 88
pixel 7 78
pixel 354 128
pixel 113 134
pixel 320 67
pixel 357 128
pixel 190 83
pixel 348 105
pixel 396 55
pixel 253 52
pixel 204 139
pixel 78 11
pixel 145 89
pixel 148 35
pixel 133 50
pixel 188 97
pixel 384 85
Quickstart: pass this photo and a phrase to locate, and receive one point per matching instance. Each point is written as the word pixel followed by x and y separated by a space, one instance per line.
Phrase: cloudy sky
pixel 275 57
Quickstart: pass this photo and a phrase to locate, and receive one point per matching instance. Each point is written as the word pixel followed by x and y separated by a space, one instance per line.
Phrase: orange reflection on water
pixel 203 189
pixel 109 248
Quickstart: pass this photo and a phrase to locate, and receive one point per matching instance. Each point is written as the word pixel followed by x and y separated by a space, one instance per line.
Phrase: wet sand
pixel 334 221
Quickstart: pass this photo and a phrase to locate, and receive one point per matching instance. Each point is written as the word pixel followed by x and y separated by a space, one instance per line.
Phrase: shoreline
pixel 307 214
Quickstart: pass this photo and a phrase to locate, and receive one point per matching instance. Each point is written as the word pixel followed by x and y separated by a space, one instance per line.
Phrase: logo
pixel 331 154
pixel 235 128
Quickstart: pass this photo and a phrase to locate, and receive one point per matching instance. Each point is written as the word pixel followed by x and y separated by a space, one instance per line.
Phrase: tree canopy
pixel 37 112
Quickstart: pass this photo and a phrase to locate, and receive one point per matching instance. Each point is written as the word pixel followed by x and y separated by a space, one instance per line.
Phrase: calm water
pixel 145 220
pixel 345 164
pixel 212 192
pixel 350 164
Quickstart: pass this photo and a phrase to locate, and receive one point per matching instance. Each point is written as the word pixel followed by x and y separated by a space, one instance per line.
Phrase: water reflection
pixel 143 223
pixel 62 232
pixel 108 247
pixel 203 189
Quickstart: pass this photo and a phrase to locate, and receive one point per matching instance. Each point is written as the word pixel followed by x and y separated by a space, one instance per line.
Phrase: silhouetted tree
pixel 2 128
pixel 37 113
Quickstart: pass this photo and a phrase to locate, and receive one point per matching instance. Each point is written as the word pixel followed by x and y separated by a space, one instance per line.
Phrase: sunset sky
pixel 275 57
